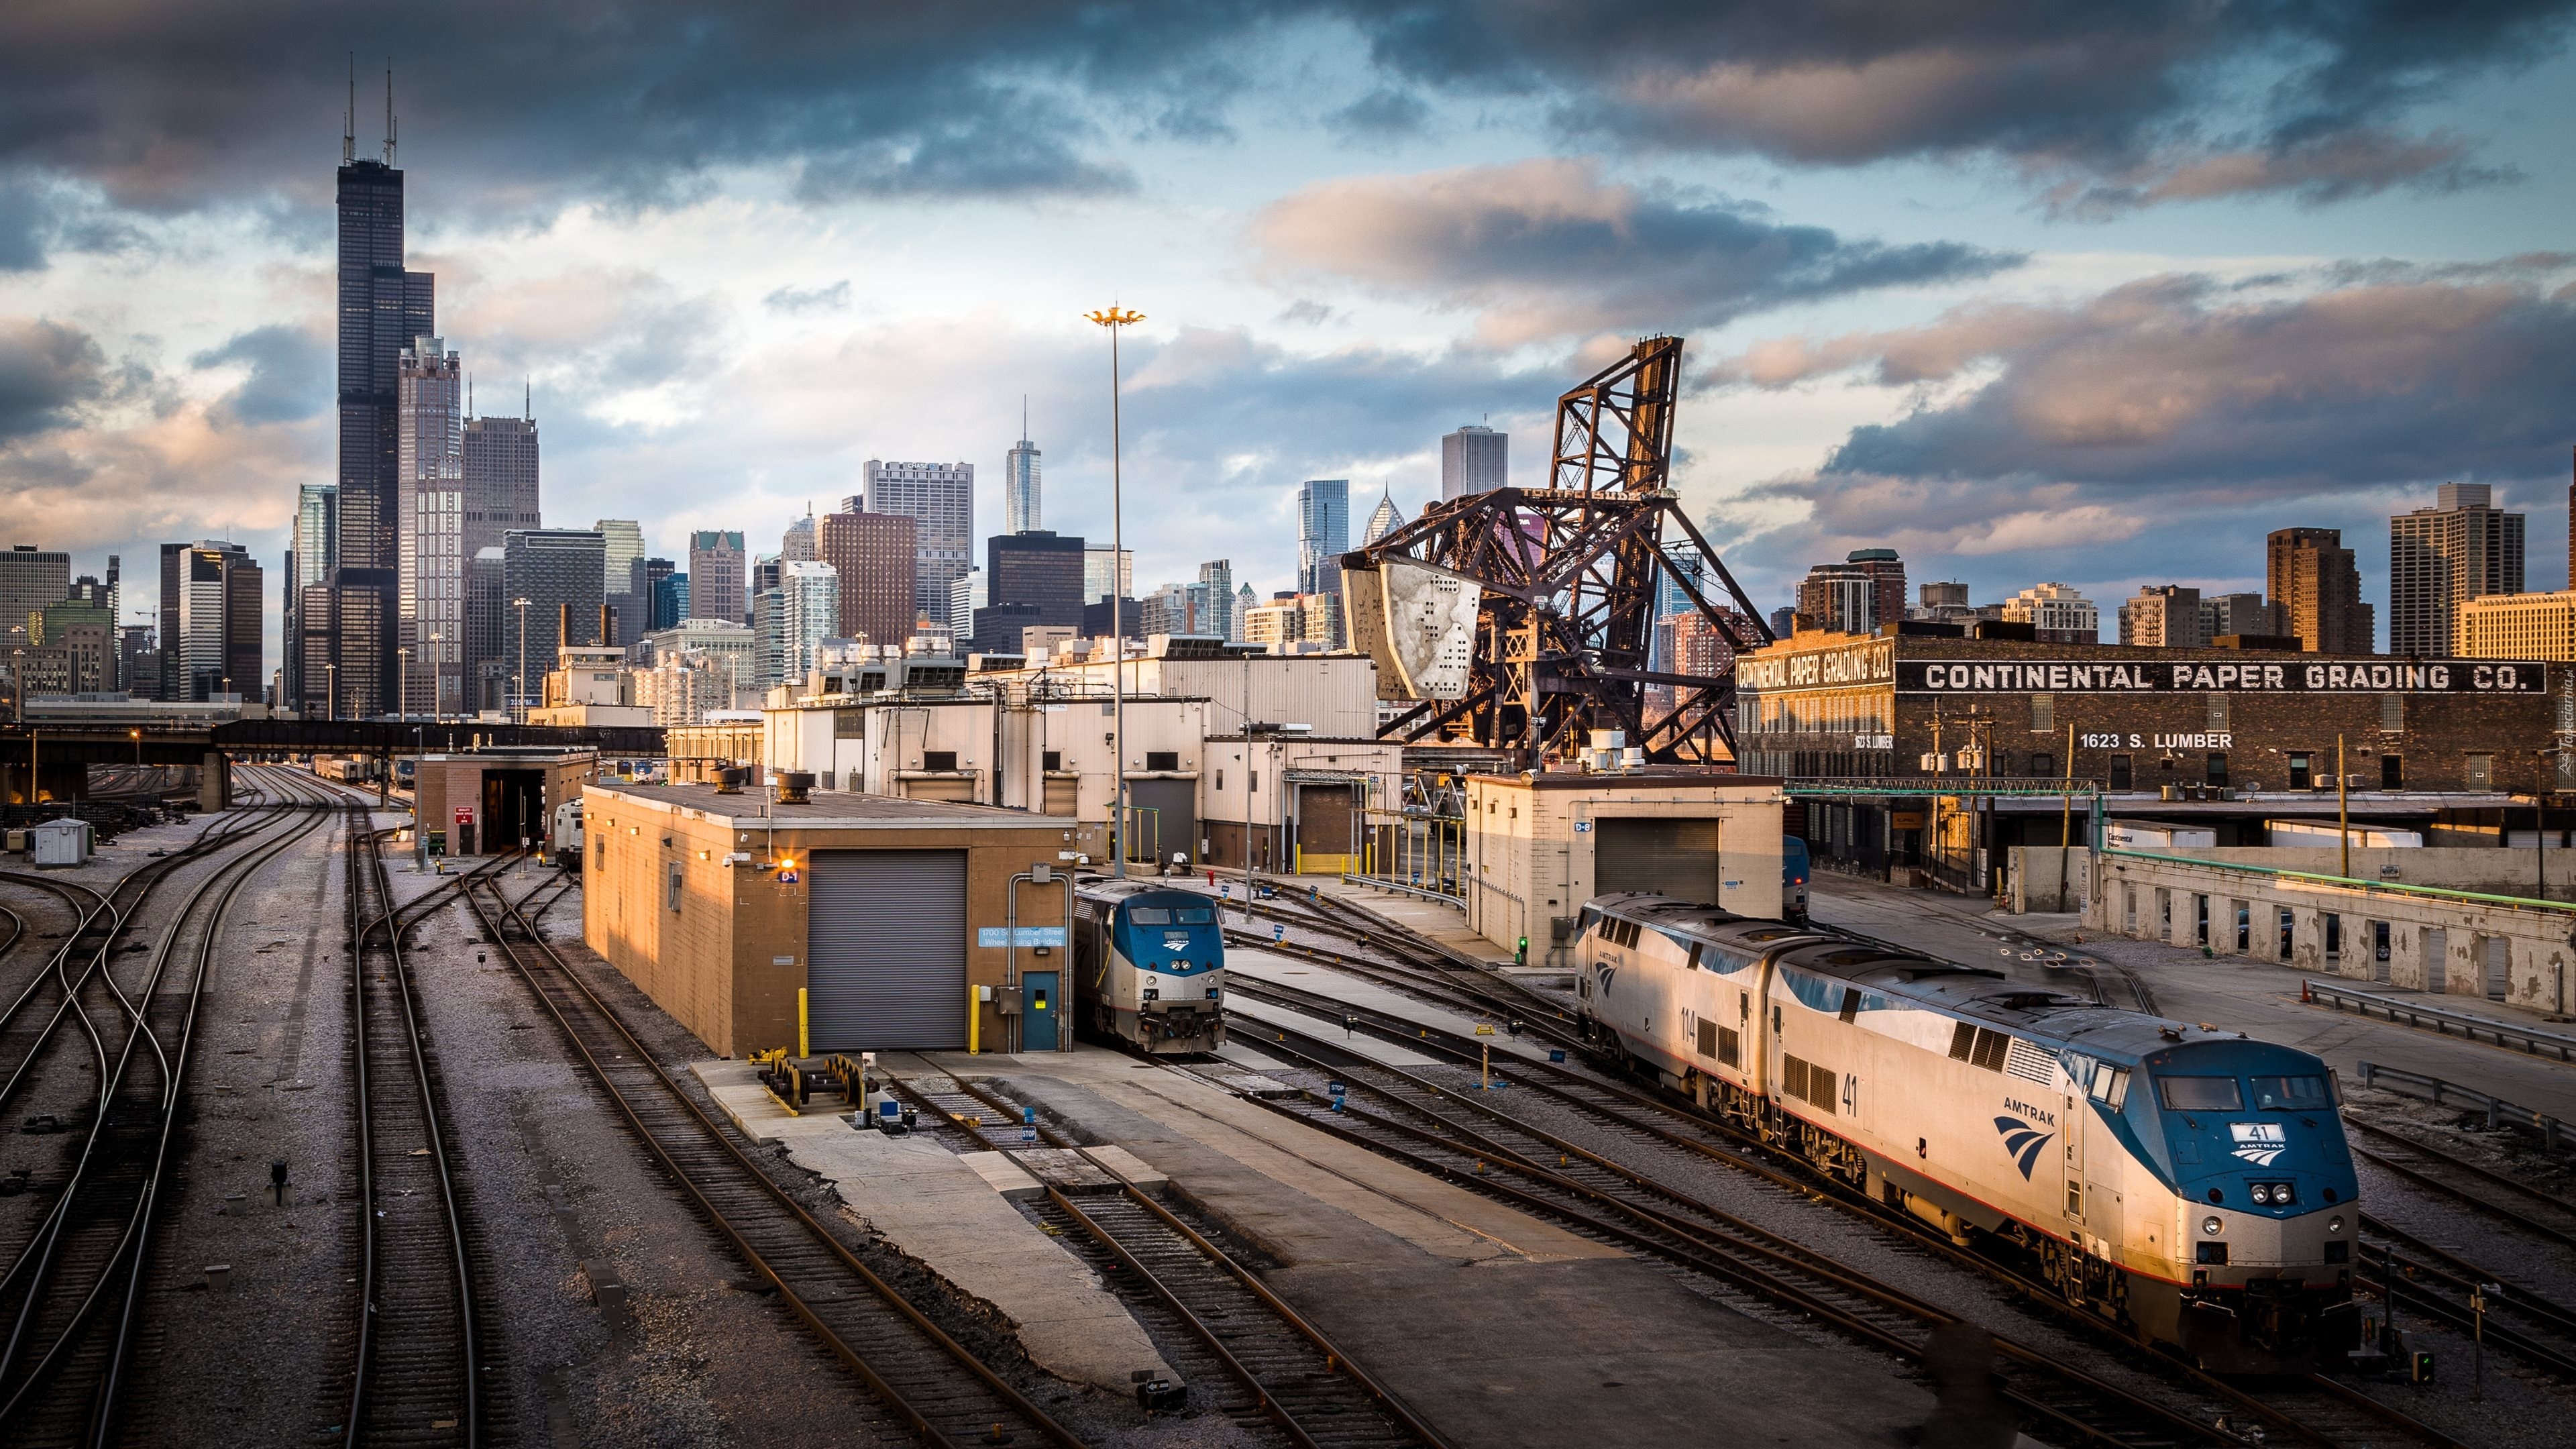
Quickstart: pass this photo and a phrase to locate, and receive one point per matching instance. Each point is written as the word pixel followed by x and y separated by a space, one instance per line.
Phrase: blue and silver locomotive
pixel 2191 1186
pixel 1149 965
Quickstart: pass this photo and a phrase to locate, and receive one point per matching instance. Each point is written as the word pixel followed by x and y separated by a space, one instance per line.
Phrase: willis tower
pixel 350 630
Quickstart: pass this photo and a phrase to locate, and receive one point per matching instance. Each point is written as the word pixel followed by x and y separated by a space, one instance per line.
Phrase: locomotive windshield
pixel 1149 916
pixel 2292 1094
pixel 2200 1094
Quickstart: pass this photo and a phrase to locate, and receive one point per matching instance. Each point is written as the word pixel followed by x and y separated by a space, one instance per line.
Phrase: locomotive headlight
pixel 2334 1225
pixel 2212 1226
pixel 2263 1194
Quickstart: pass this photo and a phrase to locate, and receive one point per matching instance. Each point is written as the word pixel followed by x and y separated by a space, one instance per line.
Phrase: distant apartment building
pixel 1474 459
pixel 811 614
pixel 2439 558
pixel 940 499
pixel 964 597
pixel 2311 576
pixel 1102 577
pixel 30 578
pixel 2240 615
pixel 1039 570
pixel 621 577
pixel 874 556
pixel 2163 616
pixel 670 601
pixel 797 544
pixel 718 571
pixel 2057 612
pixel 2519 626
pixel 1865 590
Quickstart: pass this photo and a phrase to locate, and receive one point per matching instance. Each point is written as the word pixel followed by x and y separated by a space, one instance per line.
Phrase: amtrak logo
pixel 2259 1142
pixel 2022 1143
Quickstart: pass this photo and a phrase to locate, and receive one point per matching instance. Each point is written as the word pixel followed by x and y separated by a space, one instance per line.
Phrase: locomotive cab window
pixel 2291 1094
pixel 2200 1094
pixel 1149 916
pixel 2111 1086
pixel 1196 915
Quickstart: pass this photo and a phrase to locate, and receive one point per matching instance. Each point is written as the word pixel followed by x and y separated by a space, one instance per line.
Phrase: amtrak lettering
pixel 2396 676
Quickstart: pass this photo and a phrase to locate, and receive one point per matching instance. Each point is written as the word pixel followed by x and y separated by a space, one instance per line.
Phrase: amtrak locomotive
pixel 1148 965
pixel 2191 1186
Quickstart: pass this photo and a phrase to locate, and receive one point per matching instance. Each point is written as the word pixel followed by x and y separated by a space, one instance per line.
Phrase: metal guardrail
pixel 1376 882
pixel 2554 1132
pixel 2374 887
pixel 2397 1009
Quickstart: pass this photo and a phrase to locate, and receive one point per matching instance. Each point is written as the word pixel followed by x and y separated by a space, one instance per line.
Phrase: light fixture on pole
pixel 519 681
pixel 1115 318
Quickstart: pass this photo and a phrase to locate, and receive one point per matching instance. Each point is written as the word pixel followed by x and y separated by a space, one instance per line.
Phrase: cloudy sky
pixel 2088 293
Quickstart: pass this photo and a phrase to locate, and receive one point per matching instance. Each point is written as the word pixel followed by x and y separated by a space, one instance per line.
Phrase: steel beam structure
pixel 1568 575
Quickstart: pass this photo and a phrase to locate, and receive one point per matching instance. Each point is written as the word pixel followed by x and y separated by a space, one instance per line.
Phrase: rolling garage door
pixel 886 950
pixel 1676 858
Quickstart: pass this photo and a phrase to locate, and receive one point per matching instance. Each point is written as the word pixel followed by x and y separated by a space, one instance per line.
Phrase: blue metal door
pixel 1037 990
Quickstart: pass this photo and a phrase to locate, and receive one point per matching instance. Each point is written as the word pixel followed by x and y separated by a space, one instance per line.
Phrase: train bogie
pixel 2190 1185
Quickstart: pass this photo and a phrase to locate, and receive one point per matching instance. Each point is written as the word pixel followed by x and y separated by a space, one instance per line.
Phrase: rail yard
pixel 312 1145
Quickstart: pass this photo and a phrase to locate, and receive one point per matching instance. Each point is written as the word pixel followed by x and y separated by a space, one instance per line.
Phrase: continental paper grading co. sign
pixel 2396 676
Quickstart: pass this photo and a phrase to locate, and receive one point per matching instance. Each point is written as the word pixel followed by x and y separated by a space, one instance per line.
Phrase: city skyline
pixel 1948 284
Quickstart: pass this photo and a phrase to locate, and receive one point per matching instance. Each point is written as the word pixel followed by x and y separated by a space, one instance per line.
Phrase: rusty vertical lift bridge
pixel 1563 582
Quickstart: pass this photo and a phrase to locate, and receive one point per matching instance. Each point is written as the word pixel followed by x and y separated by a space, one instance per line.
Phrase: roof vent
pixel 729 781
pixel 793 786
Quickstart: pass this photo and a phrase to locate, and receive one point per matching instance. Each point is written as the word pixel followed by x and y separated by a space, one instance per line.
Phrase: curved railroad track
pixel 74 1290
pixel 928 1381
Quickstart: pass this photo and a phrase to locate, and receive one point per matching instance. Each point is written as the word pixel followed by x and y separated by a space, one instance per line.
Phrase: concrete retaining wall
pixel 2524 954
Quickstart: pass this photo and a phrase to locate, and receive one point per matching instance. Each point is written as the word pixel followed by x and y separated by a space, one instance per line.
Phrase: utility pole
pixel 1115 318
pixel 2343 812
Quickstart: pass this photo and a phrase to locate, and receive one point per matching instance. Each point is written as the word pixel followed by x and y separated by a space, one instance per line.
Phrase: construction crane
pixel 1521 618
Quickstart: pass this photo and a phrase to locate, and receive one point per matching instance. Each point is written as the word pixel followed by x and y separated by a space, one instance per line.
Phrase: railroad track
pixel 2317 1408
pixel 2459 1180
pixel 1301 1387
pixel 74 1292
pixel 2436 1283
pixel 422 1356
pixel 924 1378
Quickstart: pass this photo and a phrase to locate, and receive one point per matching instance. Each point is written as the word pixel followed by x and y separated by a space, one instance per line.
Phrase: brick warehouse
pixel 2250 732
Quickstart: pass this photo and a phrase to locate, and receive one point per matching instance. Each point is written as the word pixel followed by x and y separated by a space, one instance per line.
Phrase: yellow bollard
pixel 974 1019
pixel 804 1041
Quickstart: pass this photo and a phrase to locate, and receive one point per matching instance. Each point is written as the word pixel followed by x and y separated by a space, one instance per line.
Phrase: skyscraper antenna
pixel 1024 417
pixel 349 121
pixel 389 110
pixel 469 394
pixel 528 403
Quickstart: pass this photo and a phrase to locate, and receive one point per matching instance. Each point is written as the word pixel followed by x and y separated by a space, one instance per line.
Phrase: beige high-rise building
pixel 2310 574
pixel 2518 626
pixel 2163 616
pixel 2461 548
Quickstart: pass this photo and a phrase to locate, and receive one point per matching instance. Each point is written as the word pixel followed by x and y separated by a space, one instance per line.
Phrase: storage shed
pixel 891 914
pixel 59 842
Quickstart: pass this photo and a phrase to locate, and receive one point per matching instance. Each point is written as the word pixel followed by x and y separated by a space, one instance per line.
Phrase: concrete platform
pixel 950 1211
pixel 1506 1332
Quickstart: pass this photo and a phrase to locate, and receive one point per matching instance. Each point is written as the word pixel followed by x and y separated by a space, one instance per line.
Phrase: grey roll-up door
pixel 1676 858
pixel 1173 828
pixel 886 950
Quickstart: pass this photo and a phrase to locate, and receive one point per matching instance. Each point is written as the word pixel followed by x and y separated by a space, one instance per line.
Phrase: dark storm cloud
pixel 168 104
pixel 2162 100
pixel 46 371
pixel 290 375
pixel 1544 249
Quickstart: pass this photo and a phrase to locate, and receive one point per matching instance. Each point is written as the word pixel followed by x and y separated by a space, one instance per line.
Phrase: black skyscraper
pixel 382 307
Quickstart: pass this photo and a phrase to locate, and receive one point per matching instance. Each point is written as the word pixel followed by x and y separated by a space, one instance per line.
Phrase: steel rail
pixel 826 1284
pixel 129 1252
pixel 1333 1361
pixel 2452 1163
pixel 366 872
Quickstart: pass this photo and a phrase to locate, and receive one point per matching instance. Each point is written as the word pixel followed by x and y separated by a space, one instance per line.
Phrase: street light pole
pixel 1115 318
pixel 519 681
